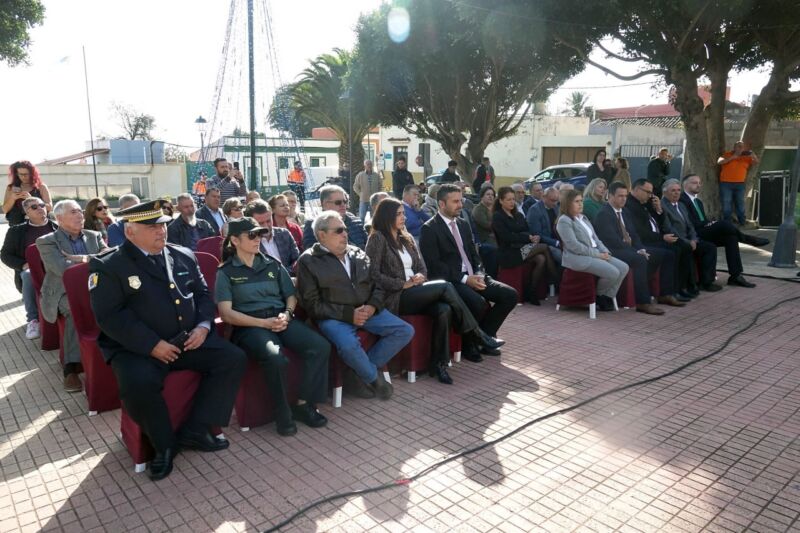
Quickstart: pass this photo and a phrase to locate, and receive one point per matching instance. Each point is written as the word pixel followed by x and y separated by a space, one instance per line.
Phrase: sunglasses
pixel 101 208
pixel 339 231
pixel 36 206
pixel 337 202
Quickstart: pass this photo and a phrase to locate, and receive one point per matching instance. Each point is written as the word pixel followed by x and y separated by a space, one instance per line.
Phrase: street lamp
pixel 201 127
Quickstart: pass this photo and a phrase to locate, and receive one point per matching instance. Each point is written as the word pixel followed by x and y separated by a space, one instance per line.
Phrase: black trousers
pixel 707 253
pixel 312 348
pixel 503 299
pixel 141 381
pixel 684 265
pixel 488 253
pixel 723 233
pixel 642 270
pixel 439 300
pixel 669 266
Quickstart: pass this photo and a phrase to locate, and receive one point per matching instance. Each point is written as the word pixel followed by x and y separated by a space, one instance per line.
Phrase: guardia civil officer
pixel 155 315
pixel 255 294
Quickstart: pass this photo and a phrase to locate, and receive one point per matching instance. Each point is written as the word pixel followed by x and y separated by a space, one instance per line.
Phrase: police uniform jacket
pixel 137 303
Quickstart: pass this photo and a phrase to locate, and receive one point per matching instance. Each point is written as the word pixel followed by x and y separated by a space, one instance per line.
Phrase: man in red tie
pixel 450 254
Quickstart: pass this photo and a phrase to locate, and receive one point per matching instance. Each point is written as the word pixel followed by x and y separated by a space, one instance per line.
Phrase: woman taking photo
pixel 280 218
pixel 97 217
pixel 396 266
pixel 595 197
pixel 256 296
pixel 516 245
pixel 487 244
pixel 23 183
pixel 585 252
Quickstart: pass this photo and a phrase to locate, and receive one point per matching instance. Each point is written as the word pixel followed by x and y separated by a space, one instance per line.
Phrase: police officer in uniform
pixel 255 294
pixel 155 315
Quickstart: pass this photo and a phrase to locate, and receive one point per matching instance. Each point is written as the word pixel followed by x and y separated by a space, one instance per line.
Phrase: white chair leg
pixel 388 377
pixel 616 307
pixel 552 289
pixel 449 362
pixel 92 413
pixel 412 376
pixel 457 356
pixel 337 397
pixel 245 429
pixel 593 310
pixel 139 467
pixel 558 307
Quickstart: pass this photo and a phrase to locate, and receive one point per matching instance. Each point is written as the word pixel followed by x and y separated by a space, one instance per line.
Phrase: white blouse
pixel 588 228
pixel 407 262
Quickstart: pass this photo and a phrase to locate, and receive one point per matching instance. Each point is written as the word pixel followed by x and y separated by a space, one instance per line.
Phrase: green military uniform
pixel 261 291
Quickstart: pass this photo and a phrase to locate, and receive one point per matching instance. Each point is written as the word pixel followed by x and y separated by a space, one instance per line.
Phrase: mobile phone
pixel 16 189
pixel 236 165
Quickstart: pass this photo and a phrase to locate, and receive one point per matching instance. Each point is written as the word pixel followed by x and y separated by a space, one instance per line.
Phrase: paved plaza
pixel 714 447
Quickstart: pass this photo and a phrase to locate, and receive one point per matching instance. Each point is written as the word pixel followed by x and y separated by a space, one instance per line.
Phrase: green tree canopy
pixel 284 117
pixel 17 17
pixel 466 74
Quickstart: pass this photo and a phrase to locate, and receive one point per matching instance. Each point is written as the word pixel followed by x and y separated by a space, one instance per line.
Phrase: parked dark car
pixel 574 173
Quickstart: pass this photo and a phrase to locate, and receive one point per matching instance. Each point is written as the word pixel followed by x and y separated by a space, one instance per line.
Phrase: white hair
pixel 128 200
pixel 61 207
pixel 322 222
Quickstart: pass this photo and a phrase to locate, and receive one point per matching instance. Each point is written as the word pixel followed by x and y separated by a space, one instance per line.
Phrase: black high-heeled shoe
pixel 440 372
pixel 483 339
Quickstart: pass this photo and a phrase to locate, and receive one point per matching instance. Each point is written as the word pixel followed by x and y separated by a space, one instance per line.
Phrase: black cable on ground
pixel 766 276
pixel 469 451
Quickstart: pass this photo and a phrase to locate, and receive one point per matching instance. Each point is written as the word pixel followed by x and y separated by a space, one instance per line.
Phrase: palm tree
pixel 576 103
pixel 326 94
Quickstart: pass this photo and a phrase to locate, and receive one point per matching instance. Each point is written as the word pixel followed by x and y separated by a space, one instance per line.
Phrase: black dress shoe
pixel 308 415
pixel 711 287
pixel 755 241
pixel 489 351
pixel 484 339
pixel 472 356
pixel 440 372
pixel 285 427
pixel 161 464
pixel 355 387
pixel 739 281
pixel 202 441
pixel 687 294
pixel 604 303
pixel 682 297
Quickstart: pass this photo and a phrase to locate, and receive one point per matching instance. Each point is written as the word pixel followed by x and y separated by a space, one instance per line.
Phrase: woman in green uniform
pixel 255 295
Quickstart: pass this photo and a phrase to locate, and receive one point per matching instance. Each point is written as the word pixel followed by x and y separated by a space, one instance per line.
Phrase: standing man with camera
pixel 230 184
pixel 732 177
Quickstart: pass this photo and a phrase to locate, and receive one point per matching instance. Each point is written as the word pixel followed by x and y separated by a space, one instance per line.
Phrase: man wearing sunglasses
pixel 18 238
pixel 187 229
pixel 333 198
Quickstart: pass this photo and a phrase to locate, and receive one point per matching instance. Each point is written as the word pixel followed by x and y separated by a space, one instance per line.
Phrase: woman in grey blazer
pixel 585 252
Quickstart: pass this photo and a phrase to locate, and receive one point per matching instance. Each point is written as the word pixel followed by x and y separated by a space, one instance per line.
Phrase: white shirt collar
pixel 691 196
pixel 447 220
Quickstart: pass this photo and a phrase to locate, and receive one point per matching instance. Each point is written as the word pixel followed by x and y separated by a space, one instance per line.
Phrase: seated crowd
pixel 439 259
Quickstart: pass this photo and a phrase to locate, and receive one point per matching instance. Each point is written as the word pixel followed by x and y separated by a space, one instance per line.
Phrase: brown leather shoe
pixel 72 383
pixel 649 309
pixel 671 300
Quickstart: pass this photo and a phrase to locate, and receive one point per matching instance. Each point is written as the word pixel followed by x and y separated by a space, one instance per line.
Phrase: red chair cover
pixel 254 405
pixel 577 288
pixel 49 331
pixel 416 355
pixel 179 389
pixel 518 278
pixel 626 295
pixel 211 245
pixel 101 385
pixel 655 284
pixel 208 264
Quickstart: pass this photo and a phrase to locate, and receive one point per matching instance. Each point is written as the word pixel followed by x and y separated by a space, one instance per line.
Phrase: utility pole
pixel 91 133
pixel 783 254
pixel 255 181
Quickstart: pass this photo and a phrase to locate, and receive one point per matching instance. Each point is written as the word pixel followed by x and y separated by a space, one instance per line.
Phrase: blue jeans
pixel 394 334
pixel 732 193
pixel 29 296
pixel 363 209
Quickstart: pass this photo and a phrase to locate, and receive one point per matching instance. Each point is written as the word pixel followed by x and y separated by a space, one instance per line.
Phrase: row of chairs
pixel 253 404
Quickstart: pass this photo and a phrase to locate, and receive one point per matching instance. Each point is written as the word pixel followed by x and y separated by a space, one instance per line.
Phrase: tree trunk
pixel 699 157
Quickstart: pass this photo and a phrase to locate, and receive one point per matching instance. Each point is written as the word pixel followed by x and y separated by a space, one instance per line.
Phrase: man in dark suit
pixel 647 214
pixel 155 316
pixel 187 229
pixel 617 231
pixel 278 243
pixel 541 219
pixel 450 254
pixel 211 212
pixel 68 245
pixel 718 232
pixel 483 174
pixel 681 224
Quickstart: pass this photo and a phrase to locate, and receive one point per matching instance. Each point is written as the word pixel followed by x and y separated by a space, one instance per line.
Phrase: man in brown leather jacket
pixel 336 291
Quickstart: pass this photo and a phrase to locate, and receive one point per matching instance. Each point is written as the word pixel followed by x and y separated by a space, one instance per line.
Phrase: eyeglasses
pixel 101 208
pixel 337 202
pixel 339 231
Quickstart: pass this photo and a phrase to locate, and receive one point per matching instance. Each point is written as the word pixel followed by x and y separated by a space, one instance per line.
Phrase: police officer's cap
pixel 147 212
pixel 245 225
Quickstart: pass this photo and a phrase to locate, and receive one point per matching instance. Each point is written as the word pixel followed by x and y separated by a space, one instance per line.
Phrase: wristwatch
pixel 289 313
